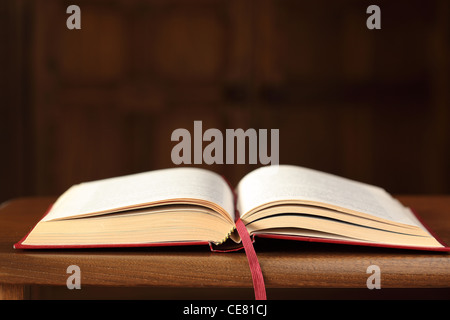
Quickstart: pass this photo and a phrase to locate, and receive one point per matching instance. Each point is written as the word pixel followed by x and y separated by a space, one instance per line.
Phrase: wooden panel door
pixel 365 104
pixel 109 95
pixel 102 101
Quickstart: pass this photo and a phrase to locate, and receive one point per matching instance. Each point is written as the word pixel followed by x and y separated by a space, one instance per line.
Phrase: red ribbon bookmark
pixel 255 268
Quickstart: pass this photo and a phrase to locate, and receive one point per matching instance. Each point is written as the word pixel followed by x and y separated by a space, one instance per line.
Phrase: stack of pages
pixel 195 206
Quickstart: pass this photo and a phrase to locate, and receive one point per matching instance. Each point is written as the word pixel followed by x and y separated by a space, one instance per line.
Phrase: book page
pixel 143 188
pixel 286 182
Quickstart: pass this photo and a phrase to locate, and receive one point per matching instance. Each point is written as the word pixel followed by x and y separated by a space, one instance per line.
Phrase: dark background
pixel 79 105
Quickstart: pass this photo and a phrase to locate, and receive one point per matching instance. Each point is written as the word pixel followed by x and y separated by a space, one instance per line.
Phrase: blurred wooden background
pixel 78 105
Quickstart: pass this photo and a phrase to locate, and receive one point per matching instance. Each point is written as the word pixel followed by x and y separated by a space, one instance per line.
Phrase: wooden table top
pixel 285 264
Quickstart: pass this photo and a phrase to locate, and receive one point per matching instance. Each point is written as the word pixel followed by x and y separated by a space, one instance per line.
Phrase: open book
pixel 195 206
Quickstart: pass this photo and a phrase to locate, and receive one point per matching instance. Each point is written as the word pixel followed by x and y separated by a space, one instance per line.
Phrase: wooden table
pixel 291 270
